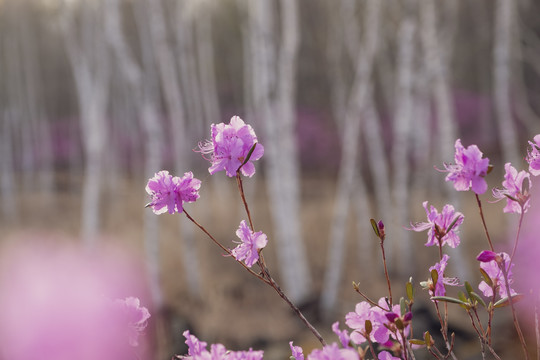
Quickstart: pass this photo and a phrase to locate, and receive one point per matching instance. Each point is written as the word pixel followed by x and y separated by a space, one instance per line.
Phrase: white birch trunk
pixel 349 159
pixel 190 81
pixel 90 65
pixel 503 28
pixel 175 108
pixel 207 74
pixel 133 74
pixel 402 132
pixel 274 102
pixel 438 74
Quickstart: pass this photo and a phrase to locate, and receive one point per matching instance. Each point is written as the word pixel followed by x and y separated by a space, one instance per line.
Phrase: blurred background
pixel 355 102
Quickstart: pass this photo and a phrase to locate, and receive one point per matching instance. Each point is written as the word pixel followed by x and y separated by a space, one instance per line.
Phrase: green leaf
pixel 248 156
pixel 402 306
pixel 505 301
pixel 478 298
pixel 410 290
pixel 375 227
pixel 469 288
pixel 462 297
pixel 453 223
pixel 427 339
pixel 450 300
pixel 434 276
pixel 486 277
pixel 368 326
pixel 417 342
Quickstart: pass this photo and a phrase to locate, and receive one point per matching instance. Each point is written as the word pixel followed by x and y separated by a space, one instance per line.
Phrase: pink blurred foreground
pixel 58 302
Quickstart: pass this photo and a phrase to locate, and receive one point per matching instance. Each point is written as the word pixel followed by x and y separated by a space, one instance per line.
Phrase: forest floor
pixel 233 307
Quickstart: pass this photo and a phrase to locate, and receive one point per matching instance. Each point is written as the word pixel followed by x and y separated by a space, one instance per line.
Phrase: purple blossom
pixel 385 355
pixel 297 352
pixel 247 249
pixel 333 352
pixel 517 198
pixel 195 346
pixel 197 351
pixel 469 169
pixel 170 192
pixel 364 311
pixel 486 256
pixel 533 156
pixel 136 317
pixel 495 273
pixel 229 147
pixel 439 287
pixel 439 224
pixel 343 335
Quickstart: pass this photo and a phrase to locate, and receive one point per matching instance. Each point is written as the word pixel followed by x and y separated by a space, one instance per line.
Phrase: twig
pixel 386 274
pixel 242 195
pixel 484 222
pixel 297 311
pixel 517 235
pixel 516 323
pixel 224 248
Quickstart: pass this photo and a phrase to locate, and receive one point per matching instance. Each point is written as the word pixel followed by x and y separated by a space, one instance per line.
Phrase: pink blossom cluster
pixel 381 318
pixel 438 225
pixel 134 317
pixel 438 289
pixel 493 264
pixel 533 156
pixel 230 146
pixel 469 169
pixel 169 193
pixel 251 243
pixel 197 350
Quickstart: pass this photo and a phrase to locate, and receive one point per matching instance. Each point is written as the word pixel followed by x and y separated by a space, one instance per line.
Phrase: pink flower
pixel 170 192
pixel 333 352
pixel 385 355
pixel 439 225
pixel 486 256
pixel 230 146
pixel 438 289
pixel 197 351
pixel 493 269
pixel 469 169
pixel 297 352
pixel 533 156
pixel 379 320
pixel 136 317
pixel 247 250
pixel 343 335
pixel 517 198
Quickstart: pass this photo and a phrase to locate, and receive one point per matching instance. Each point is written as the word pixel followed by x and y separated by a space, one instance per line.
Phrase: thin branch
pixel 484 222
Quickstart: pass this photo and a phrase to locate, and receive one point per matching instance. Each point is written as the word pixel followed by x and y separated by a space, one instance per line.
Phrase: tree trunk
pixel 175 108
pixel 90 65
pixel 402 132
pixel 504 26
pixel 274 104
pixel 349 158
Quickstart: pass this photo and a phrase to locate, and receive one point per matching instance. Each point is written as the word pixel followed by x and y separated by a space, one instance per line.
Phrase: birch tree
pixel 502 59
pixel 402 128
pixel 438 73
pixel 168 75
pixel 89 60
pixel 274 99
pixel 349 157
